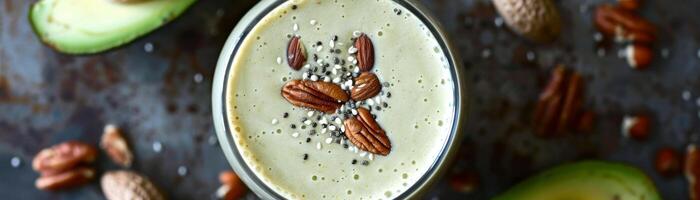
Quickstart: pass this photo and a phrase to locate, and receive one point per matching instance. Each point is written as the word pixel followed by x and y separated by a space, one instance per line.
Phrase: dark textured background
pixel 158 96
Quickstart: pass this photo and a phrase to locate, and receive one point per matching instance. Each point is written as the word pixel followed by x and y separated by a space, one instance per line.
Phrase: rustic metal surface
pixel 161 95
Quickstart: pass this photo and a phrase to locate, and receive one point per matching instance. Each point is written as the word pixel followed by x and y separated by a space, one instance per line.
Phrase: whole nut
pixel 322 96
pixel 638 56
pixel 125 185
pixel 667 162
pixel 537 20
pixel 636 127
pixel 365 53
pixel 115 145
pixel 367 85
pixel 66 179
pixel 63 156
pixel 364 132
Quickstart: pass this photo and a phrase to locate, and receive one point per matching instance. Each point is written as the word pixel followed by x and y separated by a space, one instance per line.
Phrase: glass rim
pixel 220 107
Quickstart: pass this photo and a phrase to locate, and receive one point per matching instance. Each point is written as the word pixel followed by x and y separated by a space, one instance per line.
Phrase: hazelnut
pixel 636 127
pixel 638 56
pixel 667 162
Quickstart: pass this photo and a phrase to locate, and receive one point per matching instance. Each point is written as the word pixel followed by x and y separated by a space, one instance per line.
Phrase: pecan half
pixel 367 85
pixel 64 156
pixel 623 24
pixel 318 95
pixel 67 179
pixel 365 53
pixel 118 185
pixel 559 104
pixel 366 134
pixel 296 53
pixel 116 147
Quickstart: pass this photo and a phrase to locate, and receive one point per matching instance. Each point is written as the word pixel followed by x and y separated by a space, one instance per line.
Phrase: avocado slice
pixel 586 180
pixel 92 26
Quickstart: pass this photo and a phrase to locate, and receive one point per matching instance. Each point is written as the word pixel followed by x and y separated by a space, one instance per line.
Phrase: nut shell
pixel 126 185
pixel 537 20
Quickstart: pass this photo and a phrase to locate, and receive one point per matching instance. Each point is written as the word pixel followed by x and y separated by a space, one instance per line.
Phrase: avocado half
pixel 587 180
pixel 92 26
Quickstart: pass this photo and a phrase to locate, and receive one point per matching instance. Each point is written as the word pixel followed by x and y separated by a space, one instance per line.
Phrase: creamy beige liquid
pixel 417 119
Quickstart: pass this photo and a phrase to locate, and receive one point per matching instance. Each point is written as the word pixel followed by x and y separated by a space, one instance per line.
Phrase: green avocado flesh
pixel 92 26
pixel 587 180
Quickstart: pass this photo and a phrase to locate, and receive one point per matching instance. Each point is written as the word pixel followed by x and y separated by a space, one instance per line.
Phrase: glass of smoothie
pixel 338 99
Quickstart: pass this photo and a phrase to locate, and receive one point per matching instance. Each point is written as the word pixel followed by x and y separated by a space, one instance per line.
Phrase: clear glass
pixel 226 139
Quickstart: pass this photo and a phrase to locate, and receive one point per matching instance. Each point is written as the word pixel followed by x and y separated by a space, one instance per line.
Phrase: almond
pixel 322 96
pixel 63 156
pixel 364 132
pixel 365 53
pixel 367 85
pixel 296 53
pixel 66 179
pixel 124 185
pixel 115 145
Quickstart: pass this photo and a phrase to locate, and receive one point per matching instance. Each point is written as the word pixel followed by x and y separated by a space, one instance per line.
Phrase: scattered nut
pixel 66 179
pixel 692 171
pixel 623 25
pixel 63 156
pixel 537 20
pixel 667 162
pixel 115 145
pixel 631 5
pixel 126 185
pixel 559 104
pixel 365 53
pixel 464 181
pixel 232 188
pixel 636 127
pixel 638 56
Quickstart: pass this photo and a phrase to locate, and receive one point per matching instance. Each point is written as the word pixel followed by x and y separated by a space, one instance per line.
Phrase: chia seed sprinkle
pixel 388 95
pixel 370 102
pixel 310 113
pixel 285 115
pixel 294 7
pixel 306 156
pixel 308 140
pixel 293 126
pixel 279 60
pixel 307 122
pixel 275 121
pixel 397 11
pixel 326 79
pixel 363 153
pixel 332 127
pixel 356 33
pixel 371 156
pixel 319 48
pixel 354 161
pixel 365 163
pixel 335 38
pixel 296 27
pixel 318 146
pixel 352 50
pixel 354 111
pixel 329 140
pixel 314 124
pixel 295 134
pixel 385 105
pixel 312 22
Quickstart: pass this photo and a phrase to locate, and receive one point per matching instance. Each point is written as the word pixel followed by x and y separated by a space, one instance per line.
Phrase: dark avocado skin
pixel 586 180
pixel 89 47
